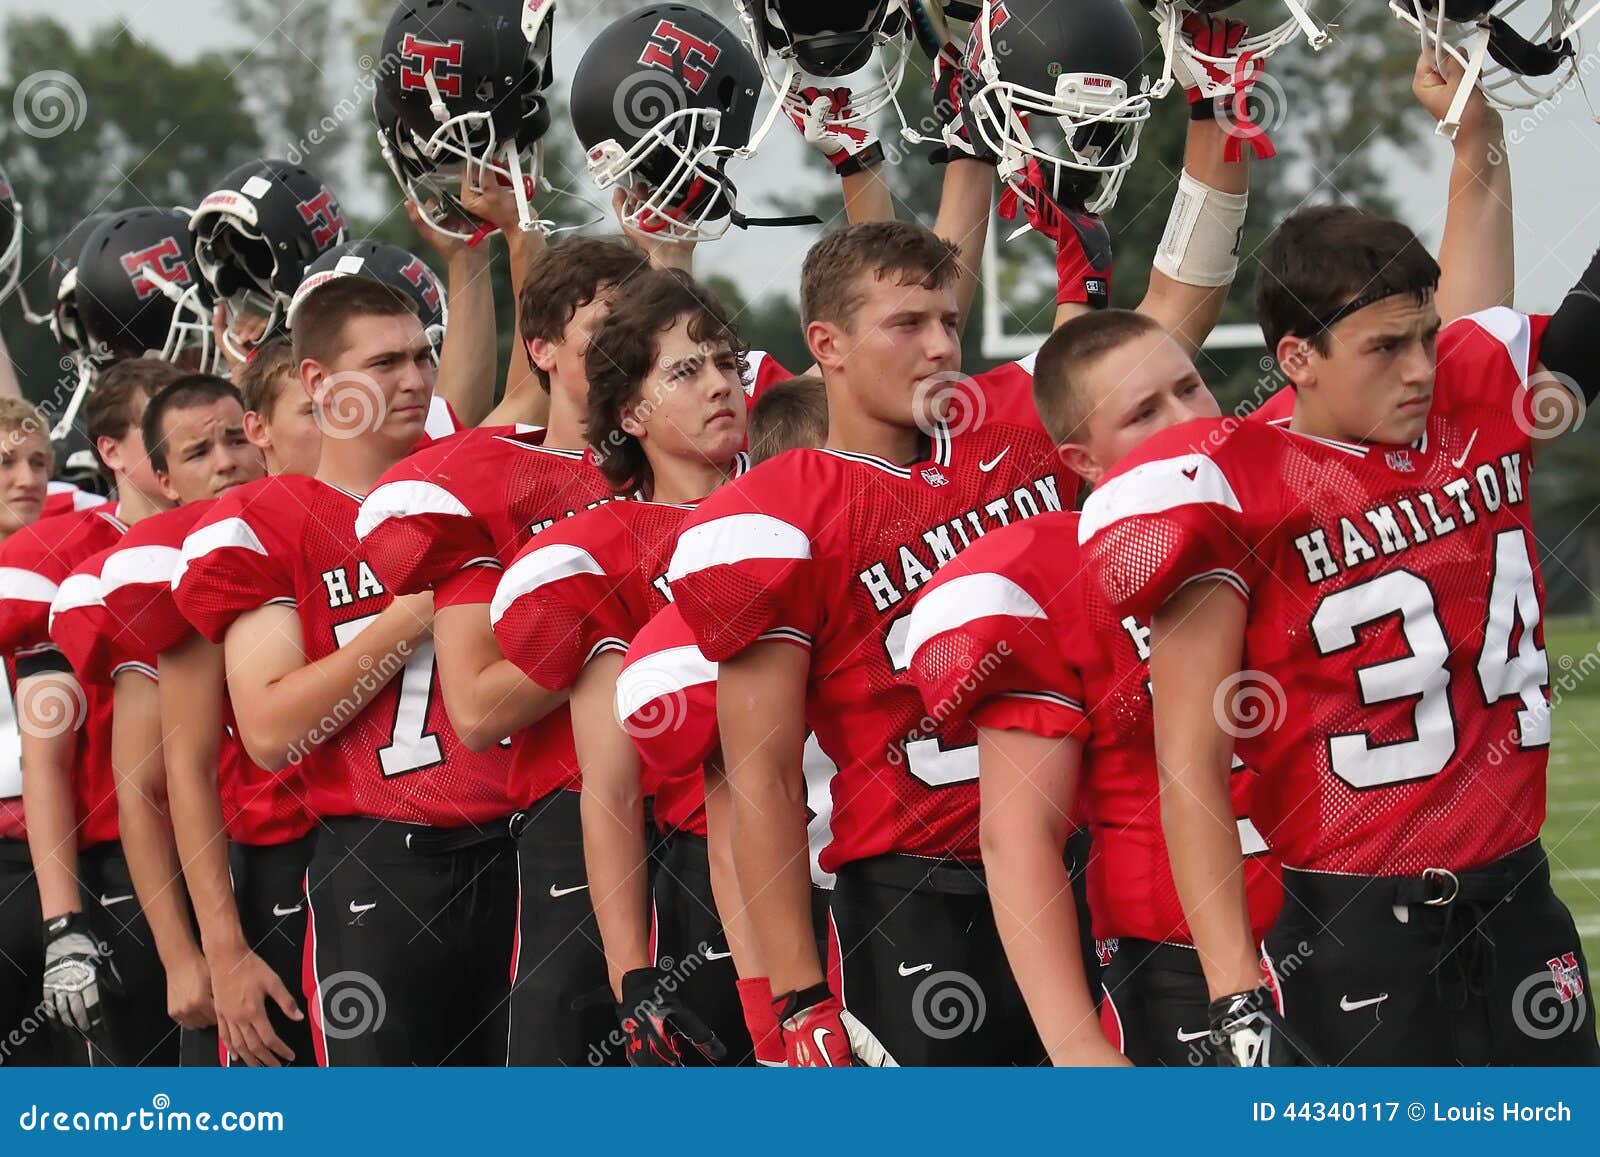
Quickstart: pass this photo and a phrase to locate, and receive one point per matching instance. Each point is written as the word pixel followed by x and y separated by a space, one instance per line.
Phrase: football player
pixel 1366 571
pixel 279 417
pixel 85 890
pixel 103 620
pixel 25 463
pixel 411 890
pixel 666 420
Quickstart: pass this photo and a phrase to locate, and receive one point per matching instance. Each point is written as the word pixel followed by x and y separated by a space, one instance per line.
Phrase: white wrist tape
pixel 1201 244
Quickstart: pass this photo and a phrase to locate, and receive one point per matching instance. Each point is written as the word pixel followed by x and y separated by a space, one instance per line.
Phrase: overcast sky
pixel 1556 164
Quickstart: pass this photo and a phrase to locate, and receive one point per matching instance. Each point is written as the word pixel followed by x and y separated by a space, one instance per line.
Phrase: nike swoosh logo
pixel 1186 1037
pixel 107 901
pixel 714 955
pixel 357 909
pixel 913 969
pixel 1348 1005
pixel 556 893
pixel 817 1037
pixel 1458 462
pixel 278 910
pixel 993 462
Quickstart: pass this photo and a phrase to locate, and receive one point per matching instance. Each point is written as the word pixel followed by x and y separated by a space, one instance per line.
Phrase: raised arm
pixel 466 375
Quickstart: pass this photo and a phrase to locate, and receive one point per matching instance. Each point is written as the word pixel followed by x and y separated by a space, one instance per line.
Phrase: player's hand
pixel 660 1029
pixel 1248 1032
pixel 248 331
pixel 242 985
pixel 1214 36
pixel 1083 245
pixel 818 1032
pixel 189 993
pixel 953 86
pixel 1435 91
pixel 494 202
pixel 661 251
pixel 849 148
pixel 444 244
pixel 77 973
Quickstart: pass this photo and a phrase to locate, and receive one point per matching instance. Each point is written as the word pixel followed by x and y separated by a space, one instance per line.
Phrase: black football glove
pixel 77 973
pixel 659 1027
pixel 1248 1032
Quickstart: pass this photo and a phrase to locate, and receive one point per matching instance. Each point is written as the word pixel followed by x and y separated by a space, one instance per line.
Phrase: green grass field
pixel 1572 831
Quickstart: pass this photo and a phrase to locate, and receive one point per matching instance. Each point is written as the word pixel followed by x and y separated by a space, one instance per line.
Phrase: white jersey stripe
pixel 546 565
pixel 965 600
pixel 1153 487
pixel 736 538
pixel 406 499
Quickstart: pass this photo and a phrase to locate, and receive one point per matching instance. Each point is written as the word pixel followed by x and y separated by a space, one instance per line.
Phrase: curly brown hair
pixel 626 350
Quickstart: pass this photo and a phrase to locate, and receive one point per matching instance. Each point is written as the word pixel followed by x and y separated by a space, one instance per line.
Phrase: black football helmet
pixel 255 235
pixel 61 281
pixel 1519 52
pixel 661 99
pixel 391 265
pixel 463 88
pixel 1056 91
pixel 137 291
pixel 830 38
pixel 10 238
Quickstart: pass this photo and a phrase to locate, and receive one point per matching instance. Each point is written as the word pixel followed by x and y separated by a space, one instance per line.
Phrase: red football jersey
pixel 12 826
pixel 450 517
pixel 81 628
pixel 667 701
pixel 586 586
pixel 34 563
pixel 258 807
pixel 1005 637
pixel 64 498
pixel 1395 686
pixel 291 539
pixel 829 551
pixel 764 373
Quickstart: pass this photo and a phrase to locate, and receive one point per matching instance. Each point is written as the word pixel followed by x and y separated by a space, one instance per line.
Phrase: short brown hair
pixel 18 414
pixel 624 351
pixel 112 408
pixel 321 319
pixel 567 278
pixel 1068 355
pixel 264 377
pixel 186 393
pixel 910 253
pixel 1322 258
pixel 788 416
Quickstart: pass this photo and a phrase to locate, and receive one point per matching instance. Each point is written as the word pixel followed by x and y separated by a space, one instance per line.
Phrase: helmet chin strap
pixel 69 416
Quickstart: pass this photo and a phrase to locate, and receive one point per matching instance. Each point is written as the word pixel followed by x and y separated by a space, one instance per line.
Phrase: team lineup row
pixel 675 710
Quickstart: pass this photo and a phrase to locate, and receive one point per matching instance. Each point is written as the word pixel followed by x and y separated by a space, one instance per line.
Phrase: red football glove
pixel 1216 89
pixel 755 998
pixel 849 148
pixel 1083 243
pixel 819 1033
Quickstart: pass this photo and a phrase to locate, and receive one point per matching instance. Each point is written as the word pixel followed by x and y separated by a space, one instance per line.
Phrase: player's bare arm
pixel 1477 255
pixel 467 358
pixel 283 703
pixel 725 888
pixel 521 400
pixel 48 754
pixel 147 839
pixel 192 680
pixel 1196 642
pixel 485 695
pixel 612 805
pixel 761 696
pixel 1023 828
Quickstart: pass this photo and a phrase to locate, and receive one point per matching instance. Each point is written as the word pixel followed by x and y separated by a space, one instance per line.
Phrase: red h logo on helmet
pixel 675 50
pixel 323 215
pixel 422 277
pixel 164 258
pixel 430 54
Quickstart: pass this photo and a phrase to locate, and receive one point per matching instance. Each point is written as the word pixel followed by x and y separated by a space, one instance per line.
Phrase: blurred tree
pixel 104 121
